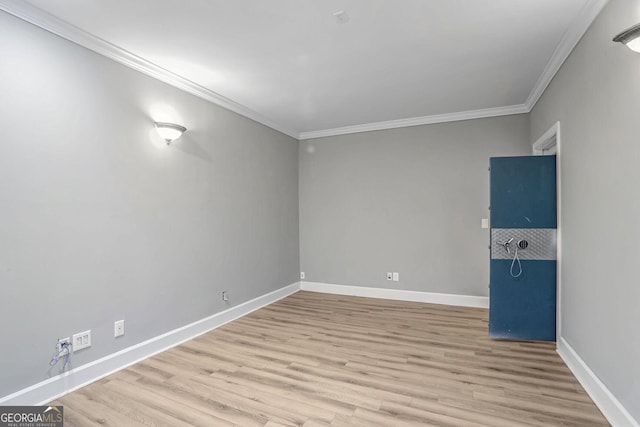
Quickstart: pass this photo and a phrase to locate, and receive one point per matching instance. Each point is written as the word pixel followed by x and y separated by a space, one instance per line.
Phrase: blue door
pixel 522 293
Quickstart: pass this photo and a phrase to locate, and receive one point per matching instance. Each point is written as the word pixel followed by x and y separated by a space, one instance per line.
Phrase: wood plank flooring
pixel 317 360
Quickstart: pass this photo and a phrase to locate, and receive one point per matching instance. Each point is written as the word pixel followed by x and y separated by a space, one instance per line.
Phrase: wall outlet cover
pixel 389 276
pixel 396 276
pixel 81 340
pixel 302 274
pixel 118 328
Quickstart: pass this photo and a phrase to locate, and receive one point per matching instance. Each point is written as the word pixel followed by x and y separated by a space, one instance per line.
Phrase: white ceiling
pixel 298 69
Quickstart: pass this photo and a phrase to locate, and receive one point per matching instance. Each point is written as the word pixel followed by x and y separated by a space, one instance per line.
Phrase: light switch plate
pixel 485 222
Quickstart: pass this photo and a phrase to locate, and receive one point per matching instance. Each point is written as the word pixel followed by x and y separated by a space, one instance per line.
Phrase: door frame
pixel 547 145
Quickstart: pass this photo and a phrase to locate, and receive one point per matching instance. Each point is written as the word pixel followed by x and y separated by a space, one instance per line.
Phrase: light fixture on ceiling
pixel 630 37
pixel 169 131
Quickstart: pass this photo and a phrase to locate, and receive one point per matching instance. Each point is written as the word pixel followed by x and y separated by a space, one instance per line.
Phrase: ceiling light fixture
pixel 630 37
pixel 169 131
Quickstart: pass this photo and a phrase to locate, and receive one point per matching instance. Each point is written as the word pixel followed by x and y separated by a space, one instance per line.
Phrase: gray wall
pixel 99 221
pixel 596 98
pixel 408 200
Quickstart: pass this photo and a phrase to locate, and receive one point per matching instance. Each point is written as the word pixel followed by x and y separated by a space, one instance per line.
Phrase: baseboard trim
pixel 55 387
pixel 610 407
pixel 396 294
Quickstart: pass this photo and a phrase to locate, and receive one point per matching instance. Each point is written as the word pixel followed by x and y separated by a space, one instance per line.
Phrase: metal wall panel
pixel 542 243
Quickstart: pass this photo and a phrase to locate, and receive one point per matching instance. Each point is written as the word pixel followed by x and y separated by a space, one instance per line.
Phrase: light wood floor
pixel 325 360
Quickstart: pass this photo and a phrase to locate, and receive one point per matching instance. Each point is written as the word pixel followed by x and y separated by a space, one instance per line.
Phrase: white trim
pixel 552 139
pixel 396 294
pixel 42 19
pixel 547 141
pixel 559 228
pixel 53 388
pixel 416 121
pixel 610 407
pixel 46 21
pixel 569 40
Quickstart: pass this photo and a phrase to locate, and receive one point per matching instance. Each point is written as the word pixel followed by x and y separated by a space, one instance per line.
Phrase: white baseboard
pixel 610 407
pixel 74 379
pixel 55 387
pixel 397 294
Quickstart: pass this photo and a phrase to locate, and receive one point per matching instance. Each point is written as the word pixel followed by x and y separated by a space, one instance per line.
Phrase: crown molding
pixel 569 40
pixel 59 27
pixel 48 22
pixel 416 121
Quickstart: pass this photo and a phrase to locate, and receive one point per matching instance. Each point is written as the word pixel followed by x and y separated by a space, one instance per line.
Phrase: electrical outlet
pixel 81 340
pixel 302 274
pixel 389 276
pixel 225 296
pixel 396 276
pixel 118 328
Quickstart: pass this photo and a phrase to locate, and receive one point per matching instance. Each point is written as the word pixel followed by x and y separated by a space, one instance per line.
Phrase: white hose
pixel 515 258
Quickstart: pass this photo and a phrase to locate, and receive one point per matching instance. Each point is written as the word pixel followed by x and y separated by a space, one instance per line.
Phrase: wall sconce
pixel 630 37
pixel 169 131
